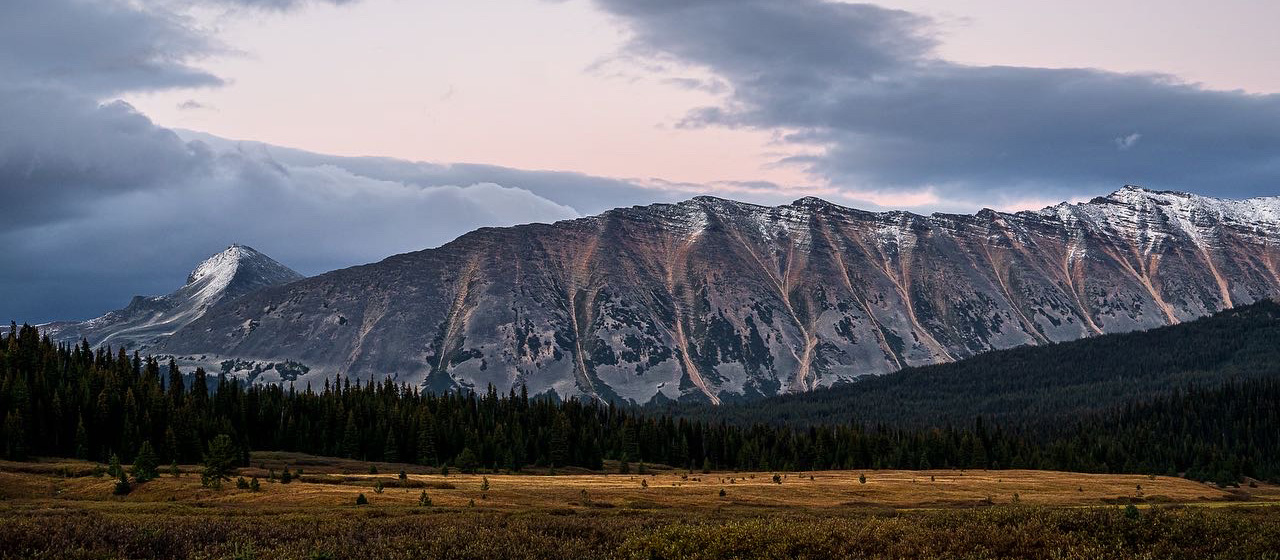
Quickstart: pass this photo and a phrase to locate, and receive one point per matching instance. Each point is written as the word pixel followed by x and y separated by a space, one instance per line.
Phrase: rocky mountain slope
pixel 234 272
pixel 716 300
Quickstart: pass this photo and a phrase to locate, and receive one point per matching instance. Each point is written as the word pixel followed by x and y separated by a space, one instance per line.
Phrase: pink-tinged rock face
pixel 716 300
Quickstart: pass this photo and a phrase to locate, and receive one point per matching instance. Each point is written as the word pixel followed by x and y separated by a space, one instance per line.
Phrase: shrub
pixel 373 469
pixel 723 493
pixel 1131 511
pixel 241 483
pixel 253 484
pixel 122 486
pixel 862 479
pixel 377 487
pixel 361 500
pixel 423 499
pixel 777 479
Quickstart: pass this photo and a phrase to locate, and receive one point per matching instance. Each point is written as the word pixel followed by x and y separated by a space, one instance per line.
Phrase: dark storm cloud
pixel 101 204
pixel 863 82
pixel 99 47
pixel 60 154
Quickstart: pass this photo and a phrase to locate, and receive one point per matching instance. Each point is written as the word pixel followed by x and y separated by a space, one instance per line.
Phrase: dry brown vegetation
pixel 58 508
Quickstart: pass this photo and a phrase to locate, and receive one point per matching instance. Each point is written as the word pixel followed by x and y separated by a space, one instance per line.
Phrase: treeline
pixel 60 400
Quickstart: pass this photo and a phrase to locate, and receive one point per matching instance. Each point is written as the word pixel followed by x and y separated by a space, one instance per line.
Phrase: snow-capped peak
pixel 232 273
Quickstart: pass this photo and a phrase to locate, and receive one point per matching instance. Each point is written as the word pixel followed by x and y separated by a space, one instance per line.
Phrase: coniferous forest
pixel 74 401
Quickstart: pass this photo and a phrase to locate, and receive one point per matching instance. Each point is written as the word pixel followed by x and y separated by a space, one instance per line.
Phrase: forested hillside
pixel 1039 385
pixel 77 402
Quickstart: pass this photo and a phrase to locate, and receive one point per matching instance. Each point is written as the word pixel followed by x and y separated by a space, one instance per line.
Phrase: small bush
pixel 1131 512
pixel 241 483
pixel 423 499
pixel 361 500
pixel 377 487
pixel 253 485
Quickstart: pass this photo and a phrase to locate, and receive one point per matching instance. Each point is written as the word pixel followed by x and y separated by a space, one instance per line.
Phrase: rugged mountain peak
pixel 240 264
pixel 236 271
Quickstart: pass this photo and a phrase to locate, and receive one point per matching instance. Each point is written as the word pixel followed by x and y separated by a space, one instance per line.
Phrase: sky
pixel 137 137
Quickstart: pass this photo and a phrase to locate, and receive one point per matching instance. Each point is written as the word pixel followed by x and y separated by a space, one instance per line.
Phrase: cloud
pixel 193 105
pixel 1126 142
pixel 102 47
pixel 98 246
pixel 101 204
pixel 865 84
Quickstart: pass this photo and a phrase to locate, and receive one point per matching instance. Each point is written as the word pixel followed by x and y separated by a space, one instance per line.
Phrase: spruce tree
pixel 145 464
pixel 113 466
pixel 351 438
pixel 467 461
pixel 427 441
pixel 220 460
pixel 82 440
pixel 391 448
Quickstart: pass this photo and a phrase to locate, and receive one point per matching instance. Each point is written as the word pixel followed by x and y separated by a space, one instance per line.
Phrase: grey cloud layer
pixel 863 82
pixel 121 207
pixel 101 204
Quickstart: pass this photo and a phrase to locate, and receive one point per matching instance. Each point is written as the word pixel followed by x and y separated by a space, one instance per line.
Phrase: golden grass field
pixel 336 482
pixel 59 509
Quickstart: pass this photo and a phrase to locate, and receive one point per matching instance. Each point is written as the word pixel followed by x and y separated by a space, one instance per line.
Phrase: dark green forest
pixel 1196 411
pixel 1037 385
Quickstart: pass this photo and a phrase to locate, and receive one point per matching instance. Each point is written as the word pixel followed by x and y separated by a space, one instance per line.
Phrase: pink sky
pixel 531 84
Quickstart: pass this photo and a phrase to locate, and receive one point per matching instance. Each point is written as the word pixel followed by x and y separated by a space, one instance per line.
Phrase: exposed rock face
pixel 718 300
pixel 225 276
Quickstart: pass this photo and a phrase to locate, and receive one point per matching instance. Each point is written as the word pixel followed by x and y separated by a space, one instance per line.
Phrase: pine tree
pixel 467 461
pixel 351 438
pixel 113 466
pixel 82 440
pixel 560 441
pixel 427 441
pixel 15 437
pixel 145 464
pixel 391 448
pixel 220 460
pixel 122 486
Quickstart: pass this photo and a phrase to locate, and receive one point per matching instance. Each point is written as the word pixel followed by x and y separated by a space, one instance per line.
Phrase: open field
pixel 58 509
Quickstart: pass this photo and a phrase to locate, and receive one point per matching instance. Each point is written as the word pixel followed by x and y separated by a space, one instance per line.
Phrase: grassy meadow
pixel 65 509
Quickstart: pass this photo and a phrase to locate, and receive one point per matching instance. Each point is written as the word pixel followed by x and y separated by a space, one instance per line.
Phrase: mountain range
pixel 714 300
